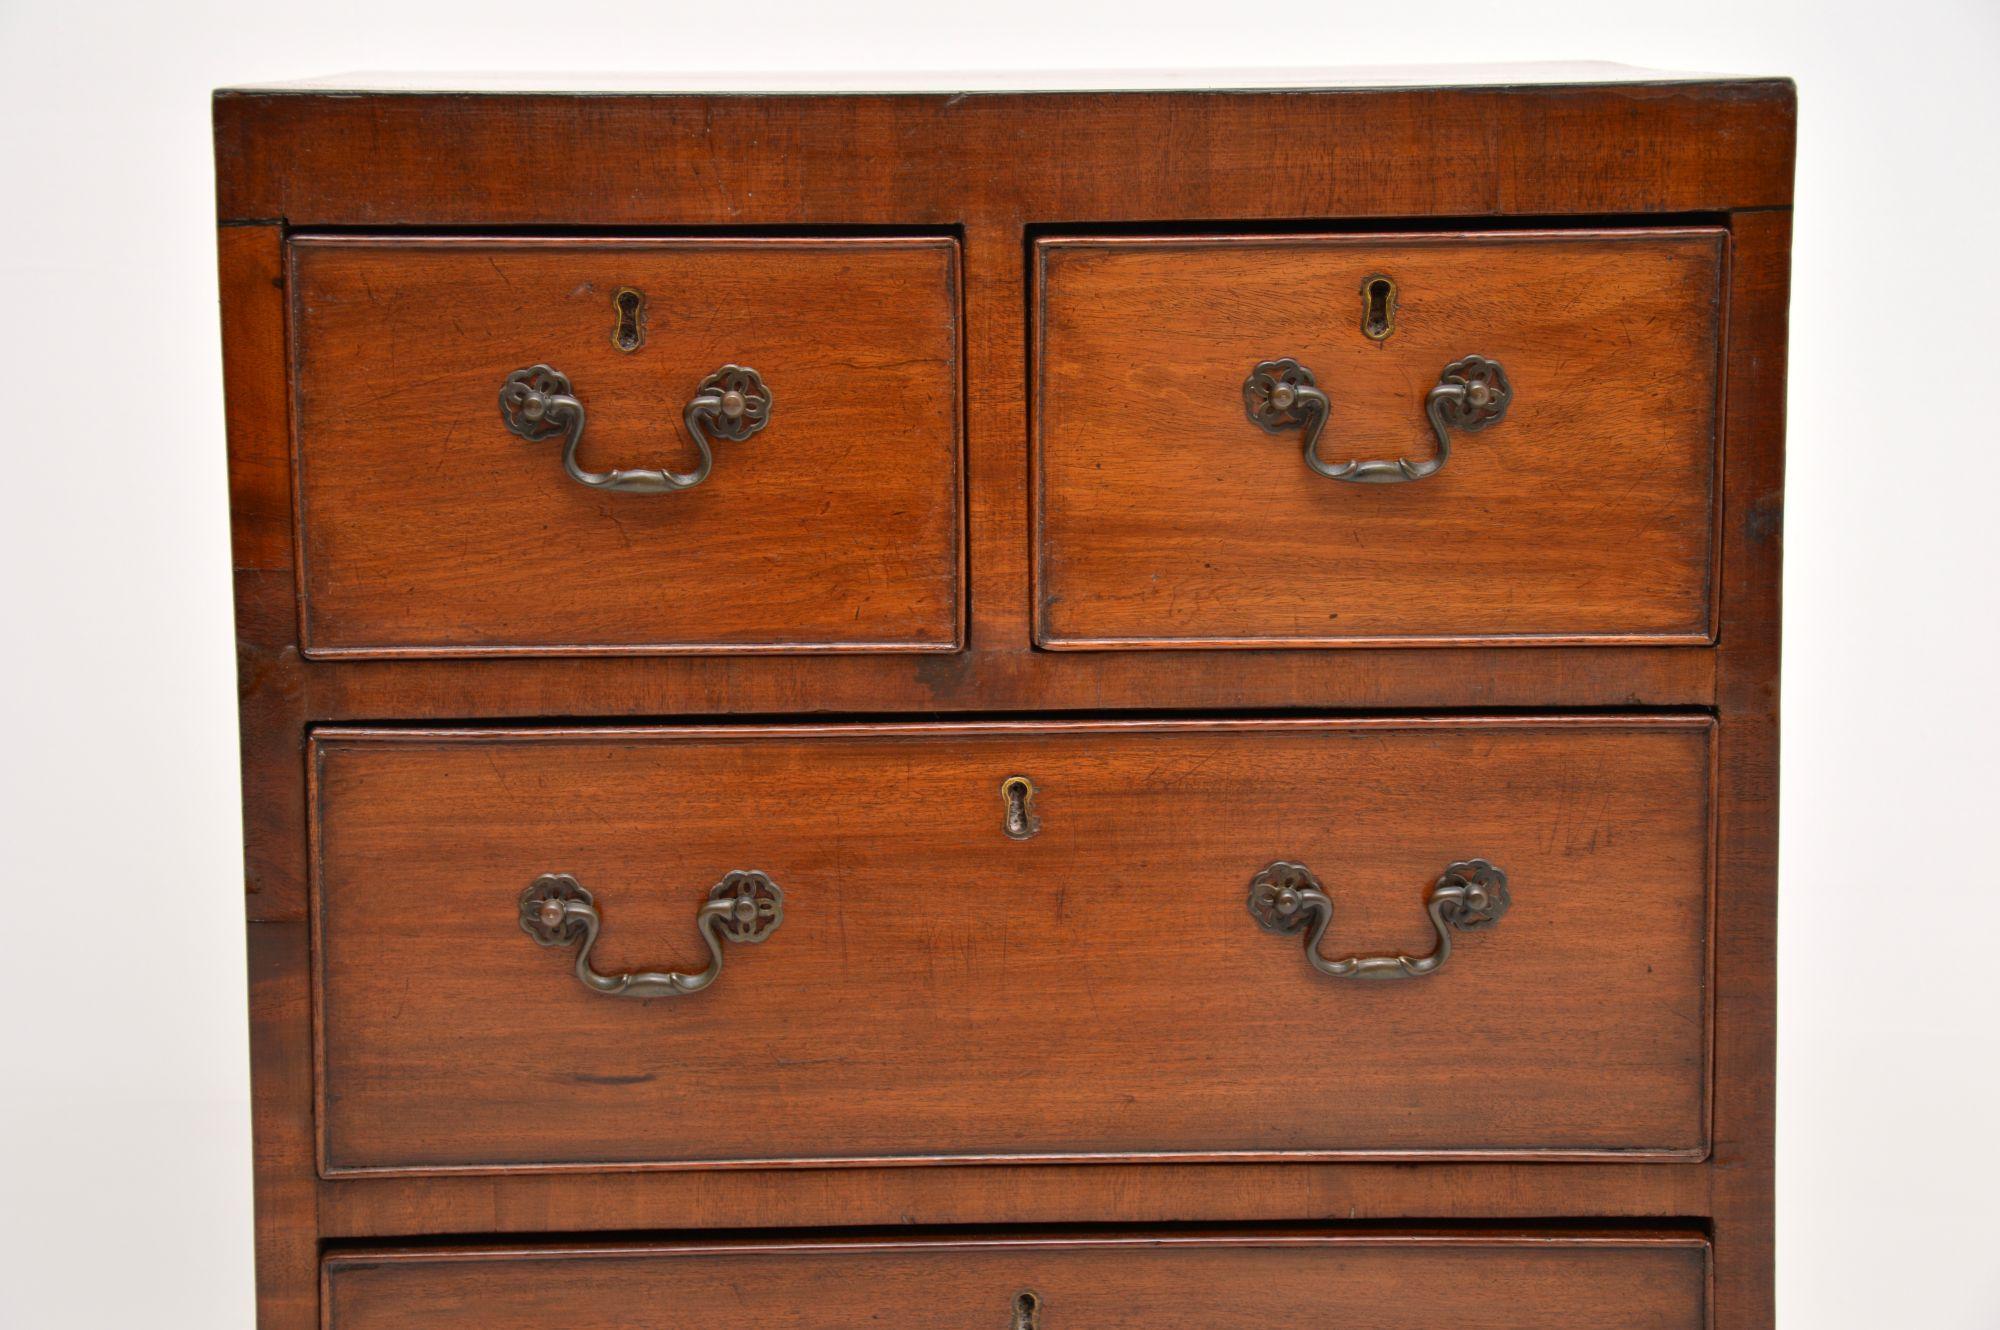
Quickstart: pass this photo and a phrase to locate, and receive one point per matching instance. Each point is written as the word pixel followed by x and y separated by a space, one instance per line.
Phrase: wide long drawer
pixel 1224 1282
pixel 1017 941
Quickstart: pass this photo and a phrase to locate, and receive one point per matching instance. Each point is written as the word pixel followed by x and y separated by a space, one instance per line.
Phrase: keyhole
pixel 1018 794
pixel 1027 1311
pixel 629 334
pixel 1378 308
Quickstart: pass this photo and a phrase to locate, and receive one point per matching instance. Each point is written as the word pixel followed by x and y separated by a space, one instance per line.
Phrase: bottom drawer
pixel 1215 1282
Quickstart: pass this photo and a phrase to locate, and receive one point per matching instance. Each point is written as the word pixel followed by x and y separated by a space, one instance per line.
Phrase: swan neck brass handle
pixel 557 911
pixel 1470 395
pixel 1286 898
pixel 537 403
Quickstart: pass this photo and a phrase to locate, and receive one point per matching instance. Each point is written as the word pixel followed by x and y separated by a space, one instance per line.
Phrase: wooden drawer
pixel 1195 1282
pixel 1577 502
pixel 428 526
pixel 931 987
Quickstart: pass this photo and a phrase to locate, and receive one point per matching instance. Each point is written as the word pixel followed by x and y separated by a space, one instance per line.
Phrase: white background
pixel 124 1148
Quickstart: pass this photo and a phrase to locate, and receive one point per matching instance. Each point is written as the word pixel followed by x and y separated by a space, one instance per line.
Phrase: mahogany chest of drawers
pixel 1033 710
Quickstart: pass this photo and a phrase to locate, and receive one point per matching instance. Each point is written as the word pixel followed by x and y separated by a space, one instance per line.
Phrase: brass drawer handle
pixel 1286 896
pixel 1470 395
pixel 732 403
pixel 556 911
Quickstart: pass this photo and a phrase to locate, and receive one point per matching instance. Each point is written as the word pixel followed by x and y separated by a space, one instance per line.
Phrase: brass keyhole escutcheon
pixel 1020 821
pixel 1027 1311
pixel 1378 308
pixel 629 333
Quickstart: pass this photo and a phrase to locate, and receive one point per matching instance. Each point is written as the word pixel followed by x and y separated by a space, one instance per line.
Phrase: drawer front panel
pixel 1568 384
pixel 437 519
pixel 1109 962
pixel 1192 1283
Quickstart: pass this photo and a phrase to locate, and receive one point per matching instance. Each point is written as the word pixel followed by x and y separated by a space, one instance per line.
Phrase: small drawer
pixel 1437 939
pixel 576 447
pixel 1309 441
pixel 1257 1281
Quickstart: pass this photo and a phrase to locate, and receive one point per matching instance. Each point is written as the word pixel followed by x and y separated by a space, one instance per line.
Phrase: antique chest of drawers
pixel 1032 710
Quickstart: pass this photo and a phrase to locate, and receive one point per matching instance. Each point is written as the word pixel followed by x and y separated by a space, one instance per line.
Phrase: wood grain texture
pixel 271 744
pixel 939 991
pixel 282 1119
pixel 1010 678
pixel 997 170
pixel 604 160
pixel 428 528
pixel 1121 1283
pixel 995 187
pixel 1587 513
pixel 251 273
pixel 1747 762
pixel 1525 1193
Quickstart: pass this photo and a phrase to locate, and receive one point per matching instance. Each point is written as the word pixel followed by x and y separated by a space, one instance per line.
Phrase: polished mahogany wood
pixel 938 990
pixel 1533 144
pixel 274 804
pixel 612 158
pixel 999 171
pixel 1016 677
pixel 1743 1208
pixel 1585 513
pixel 1523 1194
pixel 1119 1282
pixel 429 529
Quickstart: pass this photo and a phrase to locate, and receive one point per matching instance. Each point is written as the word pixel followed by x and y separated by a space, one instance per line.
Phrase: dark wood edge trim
pixel 936 238
pixel 325 735
pixel 1664 639
pixel 956 294
pixel 1027 1159
pixel 1408 232
pixel 1036 262
pixel 1742 1194
pixel 956 642
pixel 294 408
pixel 1718 433
pixel 1708 1312
pixel 1649 80
pixel 1651 1239
pixel 1490 1195
pixel 1710 939
pixel 240 321
pixel 1722 87
pixel 253 344
pixel 316 934
pixel 988 680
